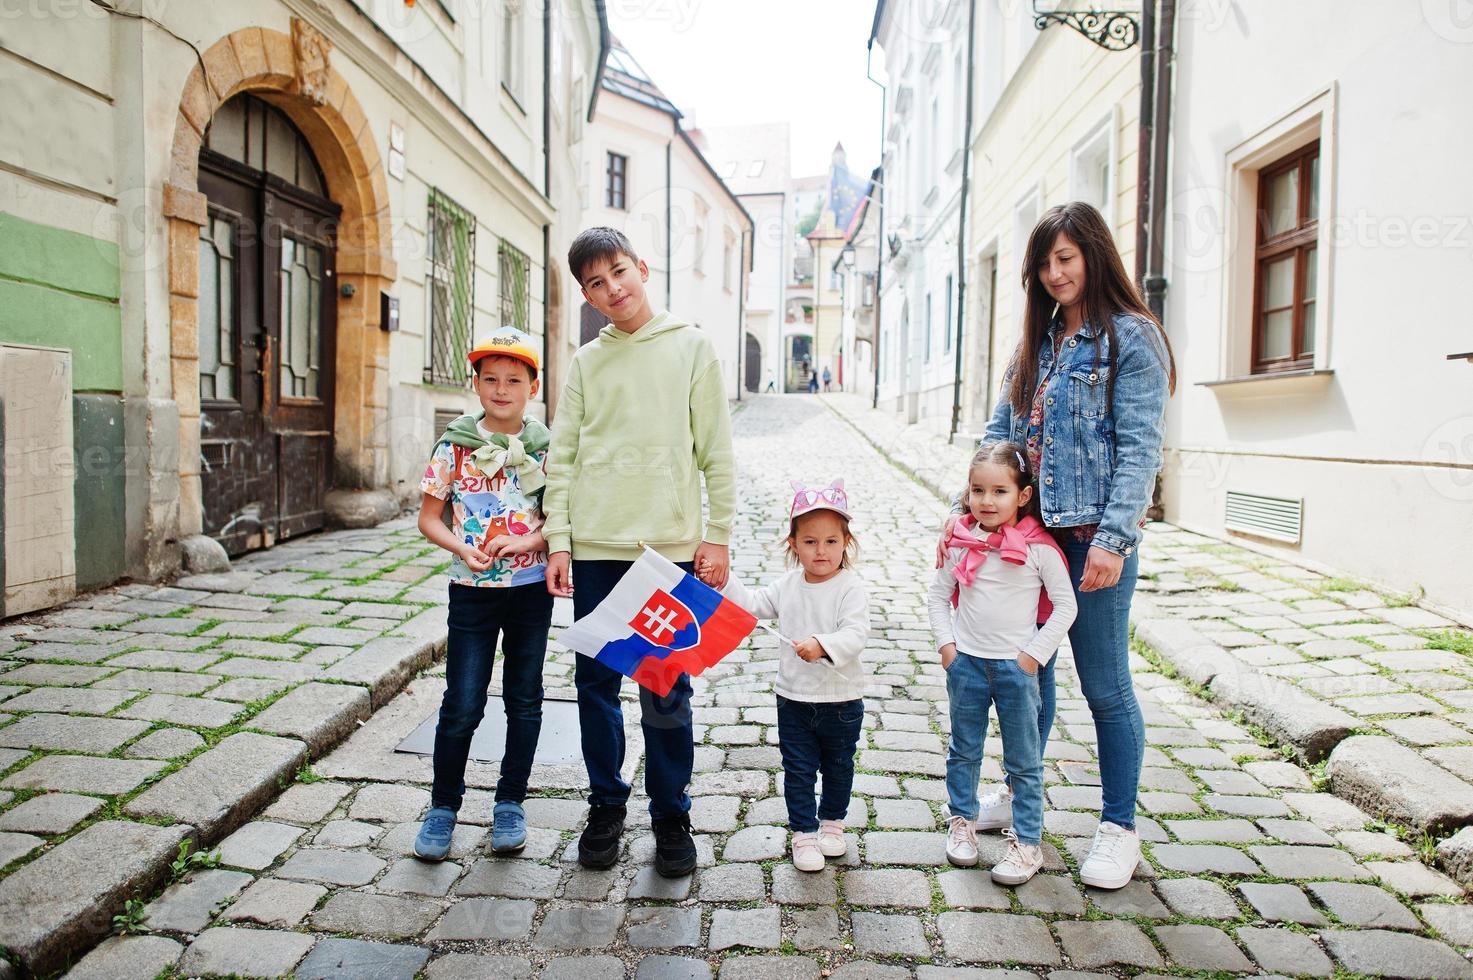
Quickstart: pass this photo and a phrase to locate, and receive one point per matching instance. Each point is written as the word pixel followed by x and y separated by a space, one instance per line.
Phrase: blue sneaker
pixel 508 828
pixel 433 842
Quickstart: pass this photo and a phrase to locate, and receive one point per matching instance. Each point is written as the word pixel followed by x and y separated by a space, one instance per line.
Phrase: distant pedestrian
pixel 822 611
pixel 813 384
pixel 827 380
pixel 489 466
pixel 998 558
pixel 771 382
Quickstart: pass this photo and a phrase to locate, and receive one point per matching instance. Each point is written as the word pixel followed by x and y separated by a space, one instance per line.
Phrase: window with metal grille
pixel 451 231
pixel 516 292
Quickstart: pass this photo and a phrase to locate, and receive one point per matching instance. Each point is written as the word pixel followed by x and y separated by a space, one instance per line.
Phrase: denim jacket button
pixel 1050 401
pixel 1073 343
pixel 1049 480
pixel 1048 439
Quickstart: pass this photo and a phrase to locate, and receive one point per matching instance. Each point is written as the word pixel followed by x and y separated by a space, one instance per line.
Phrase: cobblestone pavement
pixel 139 716
pixel 1249 865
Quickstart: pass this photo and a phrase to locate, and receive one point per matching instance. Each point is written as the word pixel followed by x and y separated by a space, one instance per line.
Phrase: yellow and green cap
pixel 506 342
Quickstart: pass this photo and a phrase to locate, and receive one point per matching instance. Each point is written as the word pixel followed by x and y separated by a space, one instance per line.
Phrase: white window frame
pixel 512 52
pixel 1103 138
pixel 1314 119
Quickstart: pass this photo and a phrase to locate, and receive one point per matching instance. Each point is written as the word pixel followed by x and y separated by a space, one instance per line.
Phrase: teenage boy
pixel 490 467
pixel 643 417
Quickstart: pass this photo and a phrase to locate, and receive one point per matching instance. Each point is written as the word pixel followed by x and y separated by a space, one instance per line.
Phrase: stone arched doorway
pixel 293 76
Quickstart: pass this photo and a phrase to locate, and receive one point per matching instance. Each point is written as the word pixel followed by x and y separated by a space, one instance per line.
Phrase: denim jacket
pixel 1099 463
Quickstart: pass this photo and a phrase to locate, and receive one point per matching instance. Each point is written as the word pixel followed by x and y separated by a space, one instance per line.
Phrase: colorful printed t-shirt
pixel 485 507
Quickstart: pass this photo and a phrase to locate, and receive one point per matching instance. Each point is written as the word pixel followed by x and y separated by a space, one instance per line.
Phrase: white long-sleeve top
pixel 996 616
pixel 836 612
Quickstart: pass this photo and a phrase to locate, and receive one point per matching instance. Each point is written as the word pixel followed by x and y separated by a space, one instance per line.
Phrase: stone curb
pixel 51 919
pixel 1304 723
pixel 1384 777
pixel 212 795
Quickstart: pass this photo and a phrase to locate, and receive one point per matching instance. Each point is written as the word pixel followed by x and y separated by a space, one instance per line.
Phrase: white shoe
pixel 961 843
pixel 831 838
pixel 1112 857
pixel 806 855
pixel 995 811
pixel 1021 862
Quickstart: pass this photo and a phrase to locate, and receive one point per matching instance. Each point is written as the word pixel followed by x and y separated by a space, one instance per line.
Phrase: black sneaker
pixel 675 849
pixel 599 845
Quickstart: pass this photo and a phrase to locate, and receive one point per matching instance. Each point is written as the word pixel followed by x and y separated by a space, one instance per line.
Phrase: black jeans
pixel 669 731
pixel 522 615
pixel 817 738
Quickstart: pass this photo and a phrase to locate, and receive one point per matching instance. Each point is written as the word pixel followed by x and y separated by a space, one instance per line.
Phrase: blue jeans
pixel 1100 638
pixel 522 615
pixel 973 684
pixel 669 731
pixel 814 738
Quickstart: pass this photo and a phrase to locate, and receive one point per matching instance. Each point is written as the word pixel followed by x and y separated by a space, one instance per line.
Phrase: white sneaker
pixel 1021 862
pixel 831 838
pixel 961 843
pixel 1112 857
pixel 806 855
pixel 995 811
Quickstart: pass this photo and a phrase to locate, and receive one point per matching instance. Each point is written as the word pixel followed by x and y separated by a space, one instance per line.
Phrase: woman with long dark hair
pixel 1086 393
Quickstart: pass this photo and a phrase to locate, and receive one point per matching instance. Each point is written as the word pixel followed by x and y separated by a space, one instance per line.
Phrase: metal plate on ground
pixel 558 744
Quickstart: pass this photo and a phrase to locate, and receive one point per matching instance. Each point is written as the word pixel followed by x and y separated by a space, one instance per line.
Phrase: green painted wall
pixel 60 289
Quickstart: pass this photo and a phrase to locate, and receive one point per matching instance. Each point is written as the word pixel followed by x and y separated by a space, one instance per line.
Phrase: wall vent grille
pixel 1279 518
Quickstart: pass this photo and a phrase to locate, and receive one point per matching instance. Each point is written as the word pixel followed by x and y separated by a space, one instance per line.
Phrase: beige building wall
pixel 1055 122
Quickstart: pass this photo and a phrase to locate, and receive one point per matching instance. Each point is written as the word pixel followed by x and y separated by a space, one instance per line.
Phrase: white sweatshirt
pixel 996 616
pixel 836 612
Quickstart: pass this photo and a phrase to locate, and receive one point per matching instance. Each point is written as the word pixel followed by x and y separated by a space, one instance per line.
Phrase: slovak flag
pixel 659 623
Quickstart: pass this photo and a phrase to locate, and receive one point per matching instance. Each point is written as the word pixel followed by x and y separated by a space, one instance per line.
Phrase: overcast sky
pixel 729 63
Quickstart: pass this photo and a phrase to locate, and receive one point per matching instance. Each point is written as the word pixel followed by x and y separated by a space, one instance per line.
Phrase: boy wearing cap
pixel 643 418
pixel 490 466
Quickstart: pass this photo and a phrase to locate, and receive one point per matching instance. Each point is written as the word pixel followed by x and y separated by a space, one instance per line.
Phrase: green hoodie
pixel 642 417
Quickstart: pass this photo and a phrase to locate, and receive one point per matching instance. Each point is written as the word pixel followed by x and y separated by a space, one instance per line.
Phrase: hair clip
pixel 1022 464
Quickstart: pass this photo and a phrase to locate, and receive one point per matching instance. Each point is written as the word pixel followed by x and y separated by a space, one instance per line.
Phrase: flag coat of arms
pixel 658 623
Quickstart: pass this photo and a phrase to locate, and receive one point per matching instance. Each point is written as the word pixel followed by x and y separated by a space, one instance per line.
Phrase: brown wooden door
pixel 268 314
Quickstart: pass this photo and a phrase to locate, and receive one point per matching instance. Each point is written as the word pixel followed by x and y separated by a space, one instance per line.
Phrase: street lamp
pixel 847 255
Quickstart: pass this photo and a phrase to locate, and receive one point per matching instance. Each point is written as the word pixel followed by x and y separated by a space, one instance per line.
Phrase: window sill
pixel 1299 382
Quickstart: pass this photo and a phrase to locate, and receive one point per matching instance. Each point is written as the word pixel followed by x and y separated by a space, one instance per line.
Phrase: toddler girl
pixel 823 614
pixel 998 556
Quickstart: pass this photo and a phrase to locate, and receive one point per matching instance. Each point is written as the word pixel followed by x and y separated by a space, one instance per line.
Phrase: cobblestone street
pixel 1252 864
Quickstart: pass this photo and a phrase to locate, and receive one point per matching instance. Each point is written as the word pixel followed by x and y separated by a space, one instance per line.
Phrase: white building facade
pixel 924 46
pixel 650 179
pixel 756 163
pixel 1319 261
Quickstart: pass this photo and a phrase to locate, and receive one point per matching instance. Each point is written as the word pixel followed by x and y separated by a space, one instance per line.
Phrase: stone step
pixel 322 715
pixel 1384 777
pixel 224 786
pixel 60 903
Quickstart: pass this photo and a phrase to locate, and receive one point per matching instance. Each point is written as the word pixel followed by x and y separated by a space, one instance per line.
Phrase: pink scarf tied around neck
pixel 1011 544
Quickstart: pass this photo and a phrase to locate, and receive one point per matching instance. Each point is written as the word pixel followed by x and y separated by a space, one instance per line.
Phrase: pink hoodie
pixel 1011 544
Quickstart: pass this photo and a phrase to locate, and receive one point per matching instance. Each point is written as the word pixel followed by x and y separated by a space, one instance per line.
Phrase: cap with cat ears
pixel 808 499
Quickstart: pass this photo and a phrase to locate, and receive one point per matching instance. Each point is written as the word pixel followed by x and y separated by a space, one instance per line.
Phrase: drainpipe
pixel 546 101
pixel 741 361
pixel 878 178
pixel 1156 266
pixel 669 257
pixel 547 324
pixel 961 225
pixel 1143 145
